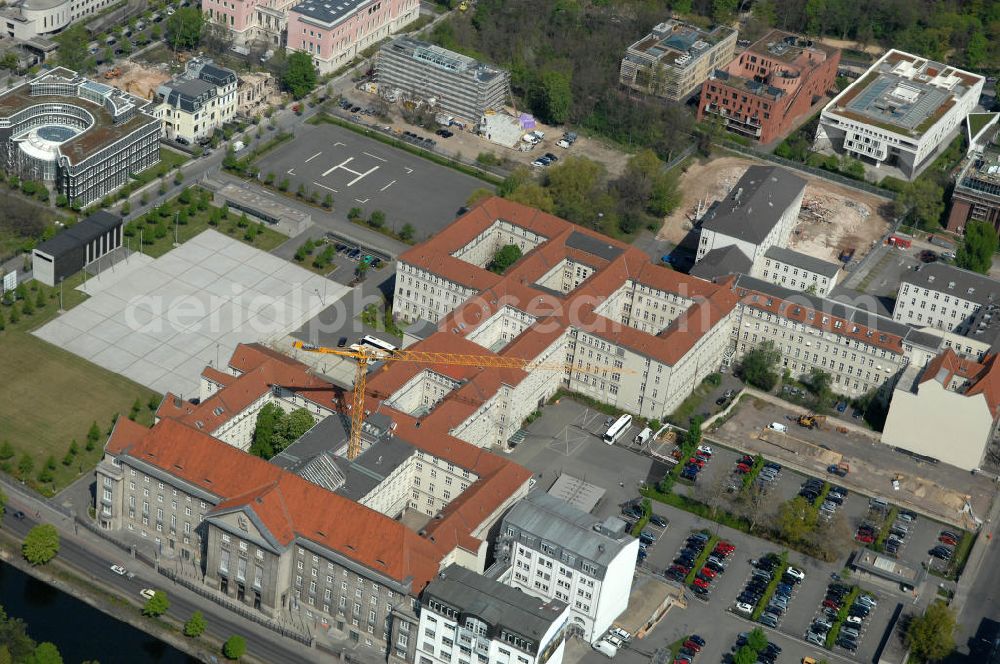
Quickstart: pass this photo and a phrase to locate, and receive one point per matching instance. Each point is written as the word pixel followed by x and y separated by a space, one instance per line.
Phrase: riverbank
pixel 62 576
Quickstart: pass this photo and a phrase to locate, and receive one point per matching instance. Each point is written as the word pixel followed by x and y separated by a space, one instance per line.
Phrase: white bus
pixel 375 342
pixel 618 429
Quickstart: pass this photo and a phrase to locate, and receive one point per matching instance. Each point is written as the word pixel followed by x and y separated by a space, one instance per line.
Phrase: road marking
pixel 361 201
pixel 313 157
pixel 387 186
pixel 373 156
pixel 338 143
pixel 362 175
pixel 291 171
pixel 325 187
pixel 340 165
pixel 408 170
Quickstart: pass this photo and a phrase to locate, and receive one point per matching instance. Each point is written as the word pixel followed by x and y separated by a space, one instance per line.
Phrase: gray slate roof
pixel 592 245
pixel 754 205
pixel 804 261
pixel 328 11
pixel 498 605
pixel 555 520
pixel 722 262
pixel 956 281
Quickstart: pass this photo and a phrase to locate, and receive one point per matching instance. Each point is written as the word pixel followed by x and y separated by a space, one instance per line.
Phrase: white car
pixel 705 449
pixel 614 640
pixel 563 143
pixel 147 593
pixel 868 601
pixel 621 634
pixel 119 570
pixel 743 607
pixel 854 620
pixel 797 573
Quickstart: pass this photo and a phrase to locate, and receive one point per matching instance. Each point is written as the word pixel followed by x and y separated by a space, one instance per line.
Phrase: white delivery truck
pixel 643 436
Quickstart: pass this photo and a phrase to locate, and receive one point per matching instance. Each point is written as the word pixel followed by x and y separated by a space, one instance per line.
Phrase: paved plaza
pixel 160 322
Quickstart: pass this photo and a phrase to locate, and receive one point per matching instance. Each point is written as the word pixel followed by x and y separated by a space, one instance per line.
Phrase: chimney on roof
pixel 177 401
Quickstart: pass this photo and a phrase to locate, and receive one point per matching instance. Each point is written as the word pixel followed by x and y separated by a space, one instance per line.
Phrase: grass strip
pixel 961 555
pixel 883 532
pixel 699 562
pixel 321 118
pixel 772 585
pixel 831 636
pixel 748 478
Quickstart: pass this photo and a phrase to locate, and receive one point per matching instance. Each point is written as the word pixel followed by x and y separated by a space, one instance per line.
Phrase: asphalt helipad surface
pixel 161 322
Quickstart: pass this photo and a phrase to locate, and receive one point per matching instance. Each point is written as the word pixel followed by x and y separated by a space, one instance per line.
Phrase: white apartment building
pixel 901 113
pixel 948 298
pixel 758 213
pixel 26 19
pixel 192 106
pixel 558 552
pixel 797 271
pixel 467 617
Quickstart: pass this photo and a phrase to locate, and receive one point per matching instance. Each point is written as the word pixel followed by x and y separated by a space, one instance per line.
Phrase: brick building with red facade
pixel 767 88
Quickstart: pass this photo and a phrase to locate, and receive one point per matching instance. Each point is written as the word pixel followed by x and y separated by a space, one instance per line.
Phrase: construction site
pixel 834 220
pixel 137 79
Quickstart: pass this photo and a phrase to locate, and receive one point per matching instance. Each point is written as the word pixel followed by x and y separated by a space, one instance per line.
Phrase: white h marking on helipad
pixel 313 157
pixel 343 166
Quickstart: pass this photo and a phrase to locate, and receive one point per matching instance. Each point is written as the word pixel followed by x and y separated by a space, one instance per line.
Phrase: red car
pixel 700 583
pixel 692 645
pixel 696 461
pixel 747 459
pixel 864 539
pixel 831 604
pixel 725 545
pixel 710 573
pixel 944 539
pixel 742 468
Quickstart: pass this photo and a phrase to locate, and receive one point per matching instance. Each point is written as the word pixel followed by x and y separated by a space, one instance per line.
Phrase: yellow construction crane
pixel 366 355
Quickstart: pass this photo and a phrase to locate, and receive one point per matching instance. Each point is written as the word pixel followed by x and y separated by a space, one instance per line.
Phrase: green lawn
pixel 49 398
pixel 266 239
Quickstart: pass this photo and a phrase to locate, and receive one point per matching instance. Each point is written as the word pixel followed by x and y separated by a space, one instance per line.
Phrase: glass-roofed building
pixel 80 136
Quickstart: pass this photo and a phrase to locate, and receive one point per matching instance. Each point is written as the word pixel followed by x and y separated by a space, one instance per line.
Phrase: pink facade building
pixel 250 21
pixel 333 32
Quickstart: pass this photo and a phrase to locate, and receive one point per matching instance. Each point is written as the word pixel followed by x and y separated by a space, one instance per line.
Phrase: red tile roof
pixel 286 504
pixel 982 377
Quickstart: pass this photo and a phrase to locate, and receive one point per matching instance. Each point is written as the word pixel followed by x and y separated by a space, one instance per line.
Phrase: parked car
pixel 119 570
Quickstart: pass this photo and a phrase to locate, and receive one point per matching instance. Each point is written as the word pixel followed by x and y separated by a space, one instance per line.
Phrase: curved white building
pixel 26 19
pixel 84 137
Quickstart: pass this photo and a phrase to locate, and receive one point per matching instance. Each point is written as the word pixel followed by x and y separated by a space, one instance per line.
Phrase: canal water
pixel 80 631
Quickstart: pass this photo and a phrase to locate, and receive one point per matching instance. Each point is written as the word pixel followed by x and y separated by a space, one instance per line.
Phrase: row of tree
pixel 579 190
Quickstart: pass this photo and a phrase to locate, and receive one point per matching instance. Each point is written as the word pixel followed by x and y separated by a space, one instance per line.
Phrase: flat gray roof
pixel 554 520
pixel 722 262
pixel 804 261
pixel 592 245
pixel 499 606
pixel 329 11
pixel 582 495
pixel 80 234
pixel 755 204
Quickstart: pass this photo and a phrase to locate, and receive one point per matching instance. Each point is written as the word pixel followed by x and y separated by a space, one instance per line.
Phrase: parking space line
pixel 291 171
pixel 408 170
pixel 338 143
pixel 361 176
pixel 374 157
pixel 387 186
pixel 325 187
pixel 313 157
pixel 361 201
pixel 341 165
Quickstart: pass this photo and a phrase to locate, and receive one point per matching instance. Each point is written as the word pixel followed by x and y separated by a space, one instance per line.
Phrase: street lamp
pixel 177 228
pixel 61 309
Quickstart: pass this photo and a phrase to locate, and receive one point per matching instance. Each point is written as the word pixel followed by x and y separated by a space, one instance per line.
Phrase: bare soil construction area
pixel 140 80
pixel 833 218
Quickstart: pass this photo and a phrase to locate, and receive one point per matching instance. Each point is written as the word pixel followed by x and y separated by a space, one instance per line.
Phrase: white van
pixel 605 648
pixel 778 426
pixel 643 436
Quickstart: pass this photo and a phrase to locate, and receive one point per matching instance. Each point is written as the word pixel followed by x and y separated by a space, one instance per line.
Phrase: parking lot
pixel 566 439
pixel 364 173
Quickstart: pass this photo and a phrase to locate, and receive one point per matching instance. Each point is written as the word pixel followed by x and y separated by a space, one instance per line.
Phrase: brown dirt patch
pixel 833 217
pixel 139 80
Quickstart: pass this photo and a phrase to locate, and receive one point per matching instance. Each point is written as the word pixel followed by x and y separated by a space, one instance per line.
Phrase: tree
pixel 46 653
pixel 745 655
pixel 757 639
pixel 924 200
pixel 234 647
pixel 533 195
pixel 693 436
pixel 25 465
pixel 552 96
pixel 796 519
pixel 156 605
pixel 328 201
pixel 72 51
pixel 574 186
pixel 407 232
pixel 354 213
pixel 477 195
pixel 14 637
pixel 819 384
pixel 505 256
pixel 299 77
pixel 932 635
pixel 377 219
pixel 263 433
pixel 184 28
pixel 6 451
pixel 195 625
pixel 758 366
pixel 976 252
pixel 41 544
pixel 40 300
